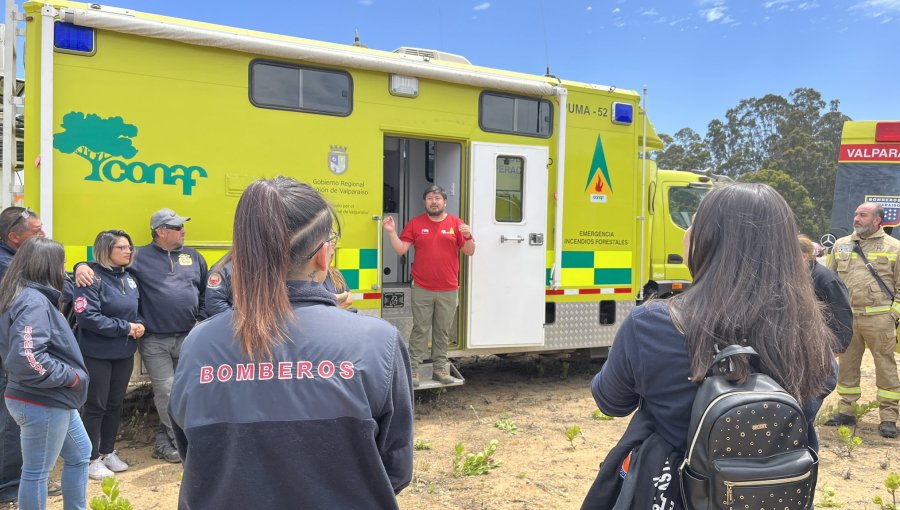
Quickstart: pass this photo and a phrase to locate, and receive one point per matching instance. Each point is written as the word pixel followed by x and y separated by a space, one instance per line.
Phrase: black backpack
pixel 747 445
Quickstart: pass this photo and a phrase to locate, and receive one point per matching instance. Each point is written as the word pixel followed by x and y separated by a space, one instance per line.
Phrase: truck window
pixel 508 208
pixel 283 86
pixel 503 113
pixel 683 203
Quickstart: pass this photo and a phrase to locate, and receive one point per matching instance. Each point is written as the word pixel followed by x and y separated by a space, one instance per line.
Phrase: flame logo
pixel 599 186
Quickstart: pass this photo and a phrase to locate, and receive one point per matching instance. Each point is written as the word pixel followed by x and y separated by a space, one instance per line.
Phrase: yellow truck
pixel 129 112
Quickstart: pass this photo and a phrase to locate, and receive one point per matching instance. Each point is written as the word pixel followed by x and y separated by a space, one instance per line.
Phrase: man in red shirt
pixel 438 238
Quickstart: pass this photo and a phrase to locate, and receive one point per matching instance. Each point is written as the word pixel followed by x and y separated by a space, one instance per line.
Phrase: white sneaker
pixel 113 462
pixel 98 471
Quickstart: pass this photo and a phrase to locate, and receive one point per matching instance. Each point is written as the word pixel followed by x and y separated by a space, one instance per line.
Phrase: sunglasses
pixel 179 228
pixel 332 239
pixel 24 215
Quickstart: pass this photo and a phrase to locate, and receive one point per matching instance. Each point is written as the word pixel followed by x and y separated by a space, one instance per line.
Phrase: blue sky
pixel 697 57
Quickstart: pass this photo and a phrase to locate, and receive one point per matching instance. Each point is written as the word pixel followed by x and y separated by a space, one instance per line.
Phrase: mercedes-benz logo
pixel 828 240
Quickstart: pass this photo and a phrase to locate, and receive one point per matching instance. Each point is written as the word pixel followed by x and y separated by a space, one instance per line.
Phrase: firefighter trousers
pixel 879 334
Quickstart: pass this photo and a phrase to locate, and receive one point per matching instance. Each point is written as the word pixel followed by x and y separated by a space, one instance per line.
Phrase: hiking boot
pixel 98 471
pixel 54 488
pixel 888 429
pixel 442 376
pixel 415 379
pixel 166 452
pixel 840 419
pixel 113 462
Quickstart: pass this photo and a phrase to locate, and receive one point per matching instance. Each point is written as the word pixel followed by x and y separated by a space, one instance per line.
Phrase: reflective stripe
pixel 890 256
pixel 889 395
pixel 895 307
pixel 843 390
pixel 872 310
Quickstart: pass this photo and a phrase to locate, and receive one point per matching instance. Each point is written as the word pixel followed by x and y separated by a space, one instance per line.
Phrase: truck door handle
pixel 674 258
pixel 518 239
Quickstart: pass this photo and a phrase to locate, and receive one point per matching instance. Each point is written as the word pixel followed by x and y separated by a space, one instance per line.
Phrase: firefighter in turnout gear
pixel 857 259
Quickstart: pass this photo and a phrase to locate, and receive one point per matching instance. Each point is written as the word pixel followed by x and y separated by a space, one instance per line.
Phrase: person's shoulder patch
pixel 214 280
pixel 80 304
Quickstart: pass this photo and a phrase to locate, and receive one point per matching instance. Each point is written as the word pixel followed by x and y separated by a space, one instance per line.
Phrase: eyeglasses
pixel 124 247
pixel 332 240
pixel 179 228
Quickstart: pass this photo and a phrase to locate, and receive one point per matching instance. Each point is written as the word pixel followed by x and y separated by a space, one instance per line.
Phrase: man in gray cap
pixel 172 282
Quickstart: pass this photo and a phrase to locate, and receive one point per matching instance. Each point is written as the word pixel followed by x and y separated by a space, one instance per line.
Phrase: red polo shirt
pixel 437 243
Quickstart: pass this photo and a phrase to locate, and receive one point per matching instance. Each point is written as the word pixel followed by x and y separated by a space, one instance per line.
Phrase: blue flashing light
pixel 623 113
pixel 69 37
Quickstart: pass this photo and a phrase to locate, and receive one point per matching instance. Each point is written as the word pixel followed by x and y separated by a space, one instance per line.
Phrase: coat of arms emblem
pixel 338 159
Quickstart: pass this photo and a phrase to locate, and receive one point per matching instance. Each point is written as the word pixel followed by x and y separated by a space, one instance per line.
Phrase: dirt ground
pixel 541 469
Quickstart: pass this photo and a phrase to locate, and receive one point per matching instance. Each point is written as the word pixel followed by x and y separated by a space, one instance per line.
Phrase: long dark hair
pixel 752 286
pixel 277 224
pixel 38 260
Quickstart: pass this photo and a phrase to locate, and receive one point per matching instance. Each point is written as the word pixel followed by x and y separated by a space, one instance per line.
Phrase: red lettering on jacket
pixel 304 369
pixel 326 369
pixel 347 370
pixel 245 372
pixel 206 375
pixel 224 373
pixel 284 369
pixel 266 371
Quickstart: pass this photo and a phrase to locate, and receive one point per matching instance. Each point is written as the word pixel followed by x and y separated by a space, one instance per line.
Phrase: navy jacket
pixel 831 291
pixel 172 285
pixel 649 365
pixel 218 290
pixel 6 256
pixel 40 353
pixel 327 423
pixel 104 311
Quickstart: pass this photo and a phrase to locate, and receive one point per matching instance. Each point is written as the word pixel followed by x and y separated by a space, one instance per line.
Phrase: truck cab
pixel 673 201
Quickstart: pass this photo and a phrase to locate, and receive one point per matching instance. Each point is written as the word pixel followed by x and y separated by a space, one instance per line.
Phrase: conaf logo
pixel 598 181
pixel 100 141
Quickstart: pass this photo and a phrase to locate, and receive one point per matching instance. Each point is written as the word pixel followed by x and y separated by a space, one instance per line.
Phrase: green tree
pixel 683 151
pixel 95 139
pixel 793 192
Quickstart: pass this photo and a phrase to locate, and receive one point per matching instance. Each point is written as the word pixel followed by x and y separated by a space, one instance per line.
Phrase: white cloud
pixel 366 2
pixel 877 8
pixel 678 21
pixel 790 5
pixel 650 12
pixel 589 8
pixel 714 14
pixel 616 10
pixel 482 6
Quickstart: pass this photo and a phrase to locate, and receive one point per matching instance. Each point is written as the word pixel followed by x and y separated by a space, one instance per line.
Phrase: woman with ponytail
pixel 288 401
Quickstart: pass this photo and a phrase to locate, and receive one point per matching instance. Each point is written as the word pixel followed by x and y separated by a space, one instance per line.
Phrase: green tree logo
pixel 95 139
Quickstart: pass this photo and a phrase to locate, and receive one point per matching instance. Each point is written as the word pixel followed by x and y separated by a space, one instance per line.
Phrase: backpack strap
pixel 735 350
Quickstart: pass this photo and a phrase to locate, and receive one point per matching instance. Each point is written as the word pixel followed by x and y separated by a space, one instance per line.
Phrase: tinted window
pixel 508 205
pixel 290 87
pixel 683 203
pixel 516 115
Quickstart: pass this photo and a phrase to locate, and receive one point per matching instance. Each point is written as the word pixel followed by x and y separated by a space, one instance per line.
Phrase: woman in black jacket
pixel 108 329
pixel 47 377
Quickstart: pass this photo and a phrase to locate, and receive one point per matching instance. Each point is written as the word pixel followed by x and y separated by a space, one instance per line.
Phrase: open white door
pixel 507 280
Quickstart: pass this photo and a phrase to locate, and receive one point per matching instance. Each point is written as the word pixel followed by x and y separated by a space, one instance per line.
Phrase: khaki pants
pixel 879 334
pixel 433 314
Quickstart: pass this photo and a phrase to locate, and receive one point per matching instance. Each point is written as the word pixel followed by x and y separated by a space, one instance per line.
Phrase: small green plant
pixel 827 500
pixel 571 433
pixel 598 415
pixel 110 500
pixel 506 425
pixel 478 463
pixel 848 440
pixel 861 410
pixel 422 444
pixel 892 482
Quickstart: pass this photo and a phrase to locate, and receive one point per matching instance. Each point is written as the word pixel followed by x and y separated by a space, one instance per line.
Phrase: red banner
pixel 870 152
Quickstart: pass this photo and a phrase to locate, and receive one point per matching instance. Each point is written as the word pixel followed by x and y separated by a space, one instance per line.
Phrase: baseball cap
pixel 166 217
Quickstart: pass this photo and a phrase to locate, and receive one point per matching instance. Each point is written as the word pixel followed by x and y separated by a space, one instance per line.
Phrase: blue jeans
pixel 10 450
pixel 48 433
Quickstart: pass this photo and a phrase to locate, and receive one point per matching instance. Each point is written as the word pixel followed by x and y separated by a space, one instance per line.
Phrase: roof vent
pixel 427 55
